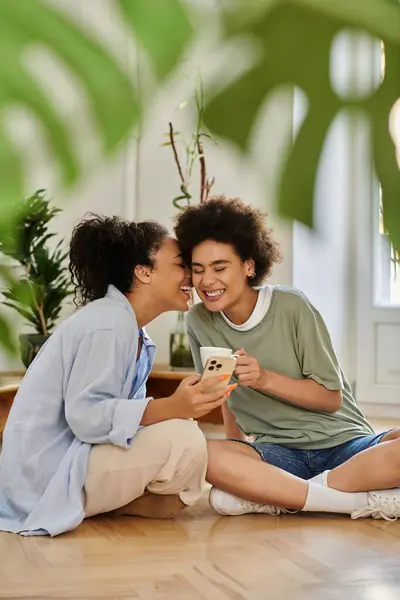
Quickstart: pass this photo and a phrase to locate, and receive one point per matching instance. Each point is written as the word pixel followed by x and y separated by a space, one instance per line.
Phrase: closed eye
pixel 220 269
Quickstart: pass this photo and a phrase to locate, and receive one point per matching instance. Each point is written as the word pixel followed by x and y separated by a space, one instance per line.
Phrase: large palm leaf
pixel 294 39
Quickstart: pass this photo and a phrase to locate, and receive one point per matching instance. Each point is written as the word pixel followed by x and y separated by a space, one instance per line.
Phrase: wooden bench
pixel 163 381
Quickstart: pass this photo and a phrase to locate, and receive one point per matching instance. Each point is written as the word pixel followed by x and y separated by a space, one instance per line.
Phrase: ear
pixel 250 267
pixel 144 274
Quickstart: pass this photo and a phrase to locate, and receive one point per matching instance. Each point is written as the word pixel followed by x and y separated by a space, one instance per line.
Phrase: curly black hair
pixel 230 221
pixel 106 250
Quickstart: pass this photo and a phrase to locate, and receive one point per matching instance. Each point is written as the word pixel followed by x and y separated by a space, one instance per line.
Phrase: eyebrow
pixel 215 262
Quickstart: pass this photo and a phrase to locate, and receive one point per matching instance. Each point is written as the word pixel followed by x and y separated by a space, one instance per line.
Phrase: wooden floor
pixel 203 556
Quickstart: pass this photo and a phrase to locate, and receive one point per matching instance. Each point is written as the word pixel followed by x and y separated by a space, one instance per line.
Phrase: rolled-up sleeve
pixel 94 408
pixel 315 351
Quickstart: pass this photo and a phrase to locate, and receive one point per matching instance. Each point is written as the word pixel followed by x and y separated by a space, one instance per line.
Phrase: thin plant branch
pixel 194 148
pixel 203 172
pixel 178 164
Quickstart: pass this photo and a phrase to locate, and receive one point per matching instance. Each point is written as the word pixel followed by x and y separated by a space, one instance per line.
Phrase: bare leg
pixel 238 469
pixel 377 468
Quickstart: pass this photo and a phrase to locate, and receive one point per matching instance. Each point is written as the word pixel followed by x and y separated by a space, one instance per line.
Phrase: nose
pixel 208 278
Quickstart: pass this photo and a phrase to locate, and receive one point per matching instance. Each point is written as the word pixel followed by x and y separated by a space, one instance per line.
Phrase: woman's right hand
pixel 192 400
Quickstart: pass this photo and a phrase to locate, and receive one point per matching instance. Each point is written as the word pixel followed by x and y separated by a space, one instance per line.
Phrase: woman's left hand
pixel 249 371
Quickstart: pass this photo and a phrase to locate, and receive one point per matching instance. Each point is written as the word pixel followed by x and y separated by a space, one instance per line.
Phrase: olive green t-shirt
pixel 292 339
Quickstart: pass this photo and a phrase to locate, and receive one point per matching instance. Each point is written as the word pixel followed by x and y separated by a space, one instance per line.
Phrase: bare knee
pixel 221 457
pixel 222 448
pixel 391 436
pixel 216 458
pixel 390 447
pixel 395 444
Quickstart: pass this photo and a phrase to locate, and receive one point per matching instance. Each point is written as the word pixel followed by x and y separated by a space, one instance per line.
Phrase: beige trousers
pixel 167 458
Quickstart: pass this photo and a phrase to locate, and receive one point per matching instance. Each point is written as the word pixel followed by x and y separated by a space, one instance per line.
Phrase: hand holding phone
pixel 218 366
pixel 195 397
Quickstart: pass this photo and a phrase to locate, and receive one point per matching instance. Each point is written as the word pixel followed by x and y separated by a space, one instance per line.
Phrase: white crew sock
pixel 324 499
pixel 322 478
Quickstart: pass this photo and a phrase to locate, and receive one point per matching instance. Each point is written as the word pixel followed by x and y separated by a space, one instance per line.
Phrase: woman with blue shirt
pixel 82 437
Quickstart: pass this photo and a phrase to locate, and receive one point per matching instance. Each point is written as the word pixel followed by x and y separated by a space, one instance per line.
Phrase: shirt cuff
pixel 126 421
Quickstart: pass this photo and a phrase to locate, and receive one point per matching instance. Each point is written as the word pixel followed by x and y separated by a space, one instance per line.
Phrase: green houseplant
pixel 193 150
pixel 40 288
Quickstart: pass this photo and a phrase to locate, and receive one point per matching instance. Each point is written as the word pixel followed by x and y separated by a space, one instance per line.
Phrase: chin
pixel 182 305
pixel 213 309
pixel 214 306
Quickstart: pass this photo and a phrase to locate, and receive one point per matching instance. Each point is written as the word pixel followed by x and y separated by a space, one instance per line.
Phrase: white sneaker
pixel 382 504
pixel 226 504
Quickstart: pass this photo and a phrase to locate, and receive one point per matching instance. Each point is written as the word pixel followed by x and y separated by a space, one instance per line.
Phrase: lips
pixel 186 288
pixel 213 295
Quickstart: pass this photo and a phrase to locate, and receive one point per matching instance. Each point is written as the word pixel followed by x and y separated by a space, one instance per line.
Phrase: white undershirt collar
pixel 259 312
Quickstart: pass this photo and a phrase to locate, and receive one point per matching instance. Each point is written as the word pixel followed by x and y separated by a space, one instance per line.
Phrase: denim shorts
pixel 308 463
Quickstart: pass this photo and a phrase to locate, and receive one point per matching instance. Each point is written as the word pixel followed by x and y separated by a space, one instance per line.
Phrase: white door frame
pixel 378 327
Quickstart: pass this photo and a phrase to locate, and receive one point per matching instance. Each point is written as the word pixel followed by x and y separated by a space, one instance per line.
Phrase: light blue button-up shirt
pixel 85 387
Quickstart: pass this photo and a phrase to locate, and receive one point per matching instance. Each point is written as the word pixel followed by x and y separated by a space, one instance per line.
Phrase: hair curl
pixel 106 250
pixel 229 221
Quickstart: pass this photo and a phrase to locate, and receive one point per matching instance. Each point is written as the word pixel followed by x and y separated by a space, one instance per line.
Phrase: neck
pixel 144 307
pixel 240 312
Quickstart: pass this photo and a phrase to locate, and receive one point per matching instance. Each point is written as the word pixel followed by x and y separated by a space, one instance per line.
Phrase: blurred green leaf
pixel 108 89
pixel 294 39
pixel 11 182
pixel 162 28
pixel 6 337
pixel 378 106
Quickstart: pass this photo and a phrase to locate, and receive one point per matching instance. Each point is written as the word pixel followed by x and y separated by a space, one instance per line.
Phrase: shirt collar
pixel 115 294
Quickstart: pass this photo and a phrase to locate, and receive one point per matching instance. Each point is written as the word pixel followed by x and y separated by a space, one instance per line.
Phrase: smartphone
pixel 218 366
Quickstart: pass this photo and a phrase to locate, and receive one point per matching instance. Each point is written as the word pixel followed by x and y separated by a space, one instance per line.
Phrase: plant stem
pixel 42 319
pixel 178 164
pixel 203 173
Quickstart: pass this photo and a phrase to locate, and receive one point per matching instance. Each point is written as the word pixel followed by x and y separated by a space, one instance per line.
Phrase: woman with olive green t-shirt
pixel 296 437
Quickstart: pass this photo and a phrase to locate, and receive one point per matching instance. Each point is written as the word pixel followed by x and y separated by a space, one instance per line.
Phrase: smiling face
pixel 170 279
pixel 219 275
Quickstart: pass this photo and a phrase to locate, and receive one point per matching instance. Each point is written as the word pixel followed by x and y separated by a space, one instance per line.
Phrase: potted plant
pixel 42 283
pixel 193 149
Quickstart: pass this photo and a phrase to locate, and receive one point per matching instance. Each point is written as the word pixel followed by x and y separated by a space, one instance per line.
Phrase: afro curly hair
pixel 229 221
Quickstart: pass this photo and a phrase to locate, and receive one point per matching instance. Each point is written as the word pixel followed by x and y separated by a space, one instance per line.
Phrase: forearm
pixel 159 410
pixel 231 428
pixel 306 393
